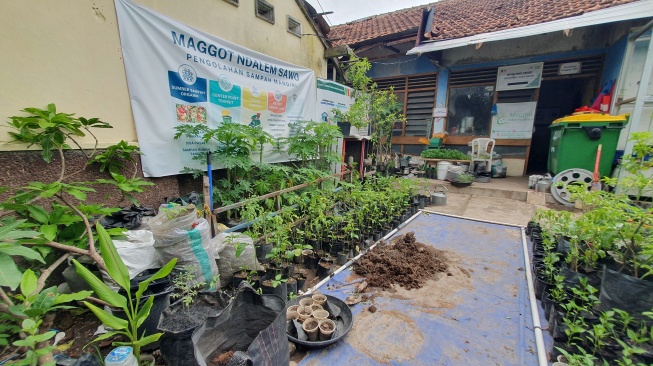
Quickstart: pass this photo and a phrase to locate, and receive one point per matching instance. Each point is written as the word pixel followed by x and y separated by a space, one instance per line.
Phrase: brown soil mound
pixel 405 262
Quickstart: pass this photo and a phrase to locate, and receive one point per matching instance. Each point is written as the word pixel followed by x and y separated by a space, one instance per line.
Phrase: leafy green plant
pixel 131 304
pixel 278 280
pixel 372 106
pixel 32 308
pixel 187 286
pixel 47 222
pixel 446 154
pixel 465 178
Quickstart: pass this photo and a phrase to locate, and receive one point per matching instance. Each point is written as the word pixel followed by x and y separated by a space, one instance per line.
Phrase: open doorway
pixel 558 98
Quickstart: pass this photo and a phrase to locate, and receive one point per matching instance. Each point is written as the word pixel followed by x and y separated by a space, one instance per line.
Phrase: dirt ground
pixel 404 262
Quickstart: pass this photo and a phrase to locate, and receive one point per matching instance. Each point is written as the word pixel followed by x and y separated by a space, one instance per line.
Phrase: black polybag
pixel 177 346
pixel 129 218
pixel 191 198
pixel 253 324
pixel 628 293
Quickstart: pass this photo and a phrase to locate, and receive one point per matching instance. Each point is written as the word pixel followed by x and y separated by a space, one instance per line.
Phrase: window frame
pixel 298 25
pixel 264 15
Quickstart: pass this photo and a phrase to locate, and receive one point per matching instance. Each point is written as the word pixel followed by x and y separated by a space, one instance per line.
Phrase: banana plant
pixel 131 304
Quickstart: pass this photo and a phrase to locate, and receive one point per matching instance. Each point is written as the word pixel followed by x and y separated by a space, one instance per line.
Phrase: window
pixel 470 110
pixel 233 2
pixel 265 10
pixel 294 26
pixel 416 93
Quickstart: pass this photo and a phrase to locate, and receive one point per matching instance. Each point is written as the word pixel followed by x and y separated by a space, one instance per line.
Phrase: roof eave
pixel 636 10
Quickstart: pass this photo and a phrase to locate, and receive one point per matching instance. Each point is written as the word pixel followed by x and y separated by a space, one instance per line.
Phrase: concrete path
pixel 494 209
pixel 505 200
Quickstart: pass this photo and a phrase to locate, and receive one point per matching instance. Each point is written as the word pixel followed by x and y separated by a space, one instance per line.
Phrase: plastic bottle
pixel 121 356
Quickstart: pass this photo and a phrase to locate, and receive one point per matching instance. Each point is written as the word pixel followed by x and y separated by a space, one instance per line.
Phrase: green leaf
pixel 28 342
pixel 51 189
pixel 100 288
pixel 115 266
pixel 44 337
pixel 77 296
pixel 161 273
pixel 147 340
pixel 28 324
pixel 45 299
pixel 107 319
pixel 10 276
pixel 9 232
pixel 28 283
pixel 77 194
pixel 49 231
pixel 106 336
pixel 46 144
pixel 38 213
pixel 21 251
pixel 144 311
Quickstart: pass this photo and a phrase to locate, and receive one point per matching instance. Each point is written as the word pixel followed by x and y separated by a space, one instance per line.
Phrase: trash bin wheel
pixel 566 177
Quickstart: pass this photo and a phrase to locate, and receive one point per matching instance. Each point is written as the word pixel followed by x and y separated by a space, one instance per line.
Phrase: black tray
pixel 343 321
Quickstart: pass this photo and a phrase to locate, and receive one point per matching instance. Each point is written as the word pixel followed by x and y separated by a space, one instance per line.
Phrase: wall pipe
pixel 351 261
pixel 537 327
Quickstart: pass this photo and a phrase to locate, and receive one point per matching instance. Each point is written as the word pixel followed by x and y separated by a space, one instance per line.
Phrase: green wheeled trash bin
pixel 575 140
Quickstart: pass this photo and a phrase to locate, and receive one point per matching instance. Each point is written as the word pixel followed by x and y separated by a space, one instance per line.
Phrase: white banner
pixel 515 77
pixel 513 120
pixel 177 74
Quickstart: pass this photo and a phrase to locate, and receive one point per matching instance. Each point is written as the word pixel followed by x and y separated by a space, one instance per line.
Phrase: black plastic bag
pixel 176 345
pixel 252 323
pixel 129 218
pixel 628 293
pixel 193 197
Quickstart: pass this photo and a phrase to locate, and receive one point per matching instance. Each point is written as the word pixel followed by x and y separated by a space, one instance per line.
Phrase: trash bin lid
pixel 592 118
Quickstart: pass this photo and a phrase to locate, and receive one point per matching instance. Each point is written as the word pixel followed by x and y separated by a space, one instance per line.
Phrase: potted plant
pixel 463 180
pixel 196 302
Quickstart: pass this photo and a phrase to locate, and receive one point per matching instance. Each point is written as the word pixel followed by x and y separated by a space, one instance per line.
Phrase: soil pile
pixel 405 262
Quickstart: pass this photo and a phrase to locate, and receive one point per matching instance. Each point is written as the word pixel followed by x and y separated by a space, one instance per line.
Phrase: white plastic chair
pixel 482 149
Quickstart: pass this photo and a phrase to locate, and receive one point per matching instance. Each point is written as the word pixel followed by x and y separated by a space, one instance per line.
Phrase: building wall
pixel 68 53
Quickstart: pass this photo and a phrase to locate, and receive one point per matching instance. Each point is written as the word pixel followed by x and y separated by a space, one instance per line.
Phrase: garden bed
pixel 475 313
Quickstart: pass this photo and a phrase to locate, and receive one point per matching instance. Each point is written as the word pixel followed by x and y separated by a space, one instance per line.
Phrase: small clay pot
pixel 320 314
pixel 319 299
pixel 306 301
pixel 316 307
pixel 291 313
pixel 311 326
pixel 304 312
pixel 327 327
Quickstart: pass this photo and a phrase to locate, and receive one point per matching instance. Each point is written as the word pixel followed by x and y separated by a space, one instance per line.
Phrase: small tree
pixel 379 109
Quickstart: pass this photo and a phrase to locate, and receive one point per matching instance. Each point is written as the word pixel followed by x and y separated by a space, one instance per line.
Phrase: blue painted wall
pixel 614 57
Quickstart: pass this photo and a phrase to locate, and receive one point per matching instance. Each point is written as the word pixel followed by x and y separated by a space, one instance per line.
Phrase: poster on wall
pixel 177 74
pixel 330 96
pixel 515 77
pixel 513 120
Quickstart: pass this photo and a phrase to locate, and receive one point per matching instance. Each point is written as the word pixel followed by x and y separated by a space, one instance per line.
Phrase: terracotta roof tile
pixel 463 18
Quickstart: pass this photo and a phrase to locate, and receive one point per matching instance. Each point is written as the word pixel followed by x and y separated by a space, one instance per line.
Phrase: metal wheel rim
pixel 569 176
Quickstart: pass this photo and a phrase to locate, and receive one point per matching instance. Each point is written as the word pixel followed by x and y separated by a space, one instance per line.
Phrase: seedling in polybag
pixel 188 286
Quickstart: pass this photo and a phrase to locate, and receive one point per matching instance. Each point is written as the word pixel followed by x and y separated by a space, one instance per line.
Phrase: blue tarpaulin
pixel 476 314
